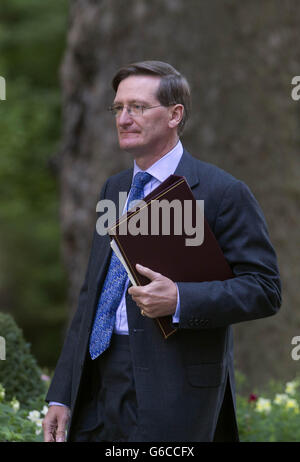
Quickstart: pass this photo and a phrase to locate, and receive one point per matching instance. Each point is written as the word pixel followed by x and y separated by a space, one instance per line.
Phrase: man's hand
pixel 55 422
pixel 158 298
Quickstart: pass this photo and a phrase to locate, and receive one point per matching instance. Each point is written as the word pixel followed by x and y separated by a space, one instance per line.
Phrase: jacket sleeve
pixel 61 384
pixel 255 291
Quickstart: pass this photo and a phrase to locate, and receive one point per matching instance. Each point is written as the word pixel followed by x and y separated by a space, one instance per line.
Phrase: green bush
pixel 273 416
pixel 19 373
pixel 17 424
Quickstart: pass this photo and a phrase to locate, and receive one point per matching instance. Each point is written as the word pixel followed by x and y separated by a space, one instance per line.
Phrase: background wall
pixel 58 143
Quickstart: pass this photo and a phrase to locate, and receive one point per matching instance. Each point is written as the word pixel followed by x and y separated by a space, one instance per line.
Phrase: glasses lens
pixel 135 109
pixel 116 109
pixel 132 109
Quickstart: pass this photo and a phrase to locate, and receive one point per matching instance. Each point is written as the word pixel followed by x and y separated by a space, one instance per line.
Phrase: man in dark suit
pixel 117 377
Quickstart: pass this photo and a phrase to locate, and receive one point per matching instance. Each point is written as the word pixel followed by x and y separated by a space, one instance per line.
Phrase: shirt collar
pixel 166 165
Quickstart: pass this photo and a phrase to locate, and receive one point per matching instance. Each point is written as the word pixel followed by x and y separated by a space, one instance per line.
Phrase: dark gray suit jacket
pixel 182 382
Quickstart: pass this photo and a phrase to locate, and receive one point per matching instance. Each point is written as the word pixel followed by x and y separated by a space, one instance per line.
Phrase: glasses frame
pixel 128 108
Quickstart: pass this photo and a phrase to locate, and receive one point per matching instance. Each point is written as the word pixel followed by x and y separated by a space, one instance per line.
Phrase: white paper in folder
pixel 116 249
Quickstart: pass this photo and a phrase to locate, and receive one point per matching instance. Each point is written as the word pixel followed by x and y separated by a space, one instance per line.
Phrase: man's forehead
pixel 136 87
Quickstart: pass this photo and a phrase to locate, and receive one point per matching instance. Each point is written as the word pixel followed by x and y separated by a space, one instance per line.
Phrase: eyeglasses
pixel 133 109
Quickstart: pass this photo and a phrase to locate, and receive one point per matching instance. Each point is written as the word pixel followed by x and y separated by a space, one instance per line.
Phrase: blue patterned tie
pixel 113 286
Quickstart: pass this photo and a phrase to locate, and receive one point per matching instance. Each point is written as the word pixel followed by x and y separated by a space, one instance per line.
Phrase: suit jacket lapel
pixel 123 185
pixel 102 249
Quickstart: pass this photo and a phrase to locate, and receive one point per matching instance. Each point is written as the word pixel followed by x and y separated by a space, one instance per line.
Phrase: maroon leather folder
pixel 167 252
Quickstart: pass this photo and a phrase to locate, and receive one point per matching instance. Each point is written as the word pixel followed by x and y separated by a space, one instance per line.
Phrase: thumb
pixel 147 272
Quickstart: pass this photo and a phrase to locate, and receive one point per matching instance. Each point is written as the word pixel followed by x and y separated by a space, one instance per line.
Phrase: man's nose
pixel 124 118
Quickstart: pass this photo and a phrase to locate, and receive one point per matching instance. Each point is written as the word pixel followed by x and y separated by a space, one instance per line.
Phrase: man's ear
pixel 176 115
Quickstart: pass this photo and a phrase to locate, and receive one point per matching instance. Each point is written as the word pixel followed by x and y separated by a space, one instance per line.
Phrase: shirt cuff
pixel 176 315
pixel 54 403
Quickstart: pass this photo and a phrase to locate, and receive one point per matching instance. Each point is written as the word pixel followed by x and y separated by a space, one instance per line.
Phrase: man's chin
pixel 128 146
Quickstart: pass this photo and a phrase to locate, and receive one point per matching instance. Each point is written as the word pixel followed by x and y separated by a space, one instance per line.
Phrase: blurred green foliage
pixel 19 373
pixel 32 281
pixel 271 414
pixel 16 425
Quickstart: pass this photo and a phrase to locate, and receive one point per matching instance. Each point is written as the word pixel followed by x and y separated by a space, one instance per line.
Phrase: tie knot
pixel 137 188
pixel 141 179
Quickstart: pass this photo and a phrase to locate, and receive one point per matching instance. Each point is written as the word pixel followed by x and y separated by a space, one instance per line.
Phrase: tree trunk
pixel 240 58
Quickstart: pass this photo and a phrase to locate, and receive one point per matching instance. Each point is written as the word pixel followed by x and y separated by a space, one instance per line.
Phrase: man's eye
pixel 137 107
pixel 118 108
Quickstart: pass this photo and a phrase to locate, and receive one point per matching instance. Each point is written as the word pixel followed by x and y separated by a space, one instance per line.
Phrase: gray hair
pixel 173 88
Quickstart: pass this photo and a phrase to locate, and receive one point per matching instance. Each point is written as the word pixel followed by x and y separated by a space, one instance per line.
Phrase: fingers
pixel 55 423
pixel 49 434
pixel 158 298
pixel 142 295
pixel 141 298
pixel 60 436
pixel 49 426
pixel 138 291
